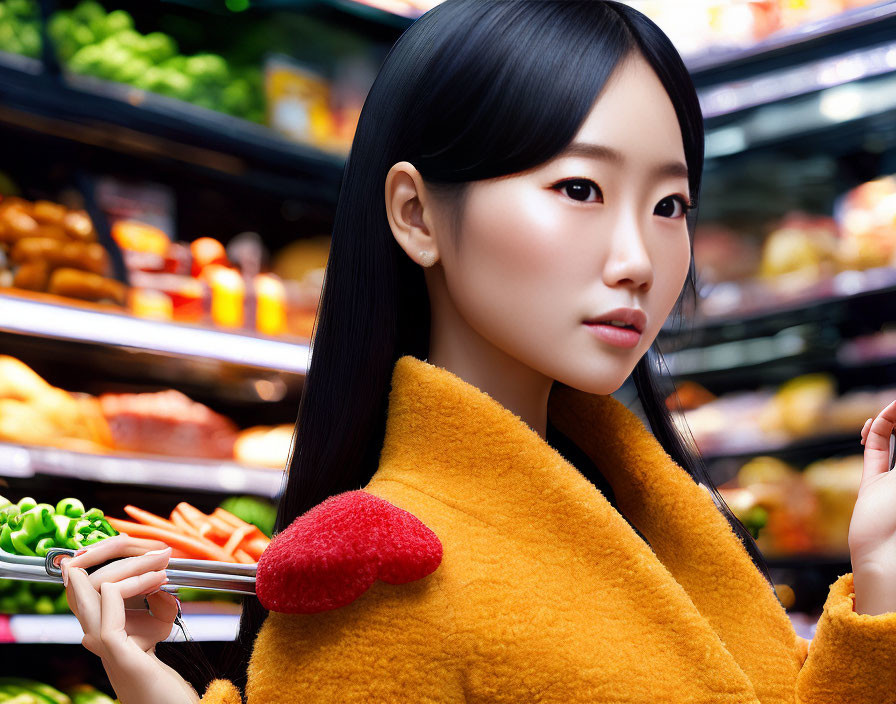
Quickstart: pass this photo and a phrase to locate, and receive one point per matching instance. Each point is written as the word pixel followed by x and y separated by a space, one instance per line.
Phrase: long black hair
pixel 472 90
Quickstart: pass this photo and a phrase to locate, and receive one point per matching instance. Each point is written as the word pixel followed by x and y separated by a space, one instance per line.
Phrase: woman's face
pixel 542 251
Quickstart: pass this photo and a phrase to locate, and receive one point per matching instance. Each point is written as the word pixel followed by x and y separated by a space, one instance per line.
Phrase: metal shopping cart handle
pixel 235 578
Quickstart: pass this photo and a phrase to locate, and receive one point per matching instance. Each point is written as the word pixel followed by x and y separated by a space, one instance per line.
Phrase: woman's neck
pixel 515 386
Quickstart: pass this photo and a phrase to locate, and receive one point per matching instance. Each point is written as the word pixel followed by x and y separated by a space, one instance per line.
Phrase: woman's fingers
pixel 146 543
pixel 878 444
pixel 99 600
pixel 129 567
pixel 83 600
pixel 112 548
pixel 112 596
pixel 163 606
pixel 865 429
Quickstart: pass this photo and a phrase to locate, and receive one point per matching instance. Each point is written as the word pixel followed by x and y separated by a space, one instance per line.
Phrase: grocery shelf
pixel 784 83
pixel 65 628
pixel 17 62
pixel 775 359
pixel 857 27
pixel 774 372
pixel 194 474
pixel 344 12
pixel 122 118
pixel 797 451
pixel 23 316
pixel 364 15
pixel 362 10
pixel 850 296
pixel 819 87
pixel 791 347
pixel 832 120
pixel 809 560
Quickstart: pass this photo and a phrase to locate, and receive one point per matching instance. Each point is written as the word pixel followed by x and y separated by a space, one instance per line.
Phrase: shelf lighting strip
pixel 193 474
pixel 64 628
pixel 788 83
pixel 47 320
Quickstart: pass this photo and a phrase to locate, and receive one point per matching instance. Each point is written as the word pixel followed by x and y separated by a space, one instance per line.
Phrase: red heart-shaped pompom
pixel 333 553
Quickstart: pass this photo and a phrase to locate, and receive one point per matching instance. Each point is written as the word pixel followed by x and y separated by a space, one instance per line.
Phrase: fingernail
pixel 62 567
pixel 158 552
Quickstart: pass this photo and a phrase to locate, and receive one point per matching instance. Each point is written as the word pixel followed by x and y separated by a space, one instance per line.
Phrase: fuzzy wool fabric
pixel 333 553
pixel 546 592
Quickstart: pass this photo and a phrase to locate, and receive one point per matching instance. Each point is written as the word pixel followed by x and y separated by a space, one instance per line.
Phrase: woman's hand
pixel 100 600
pixel 872 528
pixel 125 639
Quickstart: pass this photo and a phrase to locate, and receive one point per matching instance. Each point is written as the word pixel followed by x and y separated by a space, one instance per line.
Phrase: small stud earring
pixel 427 259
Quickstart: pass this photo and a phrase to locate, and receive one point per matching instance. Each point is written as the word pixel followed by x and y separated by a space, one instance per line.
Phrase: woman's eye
pixel 666 207
pixel 579 189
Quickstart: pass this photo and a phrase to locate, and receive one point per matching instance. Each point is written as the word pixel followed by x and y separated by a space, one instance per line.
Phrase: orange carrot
pixel 222 526
pixel 255 541
pixel 182 523
pixel 203 530
pixel 229 518
pixel 195 517
pixel 200 548
pixel 244 557
pixel 235 521
pixel 256 546
pixel 150 519
pixel 213 532
pixel 237 537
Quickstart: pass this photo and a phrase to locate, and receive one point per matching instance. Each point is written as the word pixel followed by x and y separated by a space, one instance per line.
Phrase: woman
pixel 521 187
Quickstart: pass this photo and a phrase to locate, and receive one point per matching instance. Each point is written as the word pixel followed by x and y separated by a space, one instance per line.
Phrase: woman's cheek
pixel 684 266
pixel 502 287
pixel 672 275
pixel 500 277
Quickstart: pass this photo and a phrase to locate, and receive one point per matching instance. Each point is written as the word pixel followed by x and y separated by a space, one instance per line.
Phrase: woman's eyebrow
pixel 600 151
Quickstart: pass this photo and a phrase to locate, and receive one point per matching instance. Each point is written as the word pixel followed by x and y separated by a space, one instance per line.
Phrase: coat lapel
pixel 689 535
pixel 455 443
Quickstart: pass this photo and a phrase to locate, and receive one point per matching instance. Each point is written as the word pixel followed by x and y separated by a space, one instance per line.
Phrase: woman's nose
pixel 629 262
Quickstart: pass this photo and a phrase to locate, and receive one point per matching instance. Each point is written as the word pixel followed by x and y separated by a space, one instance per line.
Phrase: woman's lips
pixel 616 336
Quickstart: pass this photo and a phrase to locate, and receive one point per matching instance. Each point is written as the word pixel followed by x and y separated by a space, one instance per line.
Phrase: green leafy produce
pixel 87 694
pixel 43 693
pixel 258 512
pixel 20 597
pixel 22 697
pixel 88 11
pixel 29 528
pixel 115 22
pixel 755 520
pixel 20 27
pixel 19 690
pixel 159 47
pixel 91 42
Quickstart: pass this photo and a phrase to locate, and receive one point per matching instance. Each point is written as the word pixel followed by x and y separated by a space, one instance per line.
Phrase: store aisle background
pixel 169 179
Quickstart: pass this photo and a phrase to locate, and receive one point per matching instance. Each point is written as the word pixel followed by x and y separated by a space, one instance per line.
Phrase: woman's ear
pixel 410 211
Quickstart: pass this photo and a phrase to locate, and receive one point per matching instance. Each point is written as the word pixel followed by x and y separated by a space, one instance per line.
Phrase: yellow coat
pixel 545 592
